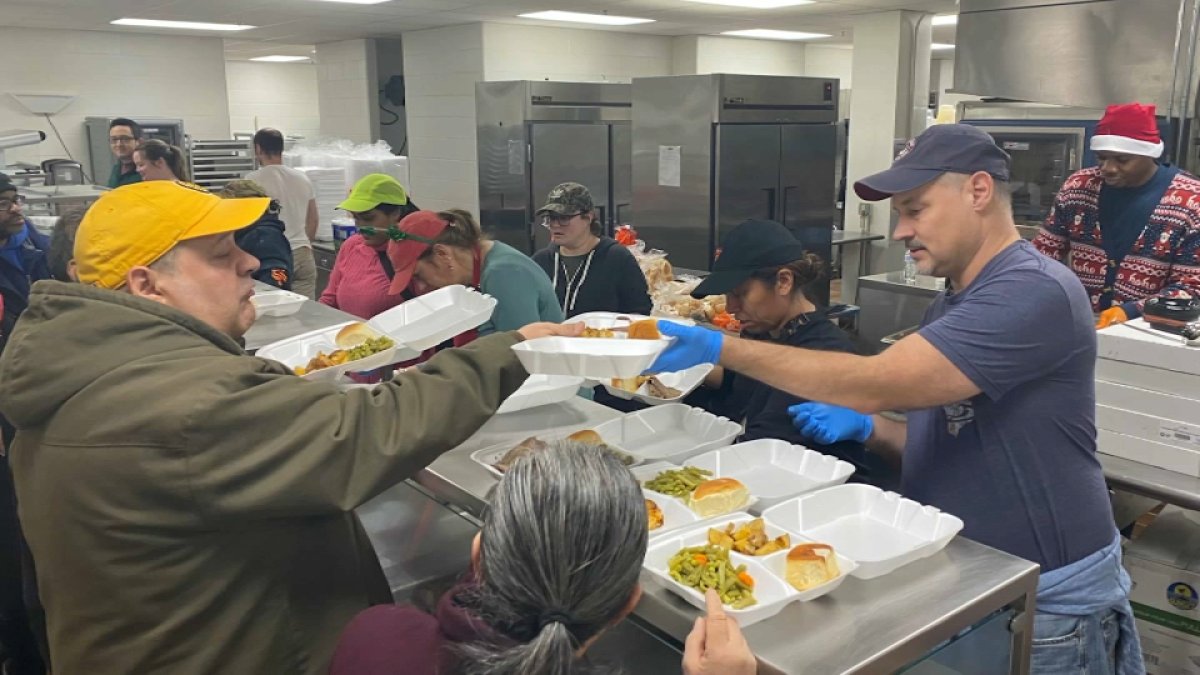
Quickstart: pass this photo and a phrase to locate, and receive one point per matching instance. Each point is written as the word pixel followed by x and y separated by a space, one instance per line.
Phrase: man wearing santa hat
pixel 1129 227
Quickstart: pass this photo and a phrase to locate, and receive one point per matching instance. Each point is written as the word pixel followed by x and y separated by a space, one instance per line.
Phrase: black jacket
pixel 764 409
pixel 266 241
pixel 610 281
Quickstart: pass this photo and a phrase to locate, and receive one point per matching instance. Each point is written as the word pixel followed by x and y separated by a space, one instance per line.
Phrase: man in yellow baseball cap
pixel 190 507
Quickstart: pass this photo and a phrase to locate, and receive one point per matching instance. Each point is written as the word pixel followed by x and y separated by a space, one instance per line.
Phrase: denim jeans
pixel 1075 645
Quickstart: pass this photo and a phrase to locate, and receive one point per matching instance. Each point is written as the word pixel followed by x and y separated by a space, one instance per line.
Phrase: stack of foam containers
pixel 1148 398
pixel 329 189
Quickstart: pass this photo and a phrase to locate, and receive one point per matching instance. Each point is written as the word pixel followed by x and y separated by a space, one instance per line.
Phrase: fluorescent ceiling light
pixel 360 2
pixel 182 25
pixel 938 46
pixel 945 20
pixel 757 4
pixel 769 34
pixel 580 17
pixel 279 58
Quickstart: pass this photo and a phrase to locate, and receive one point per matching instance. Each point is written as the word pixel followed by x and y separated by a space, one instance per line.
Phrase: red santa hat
pixel 1129 128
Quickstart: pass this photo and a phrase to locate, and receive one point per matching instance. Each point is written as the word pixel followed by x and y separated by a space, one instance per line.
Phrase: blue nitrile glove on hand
pixel 827 424
pixel 692 346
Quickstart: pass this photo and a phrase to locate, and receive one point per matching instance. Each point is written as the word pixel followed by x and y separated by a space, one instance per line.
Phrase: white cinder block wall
pixel 346 90
pixel 519 52
pixel 279 95
pixel 156 76
pixel 748 57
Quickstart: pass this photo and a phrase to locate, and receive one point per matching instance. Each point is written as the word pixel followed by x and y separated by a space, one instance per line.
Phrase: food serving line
pixel 963 604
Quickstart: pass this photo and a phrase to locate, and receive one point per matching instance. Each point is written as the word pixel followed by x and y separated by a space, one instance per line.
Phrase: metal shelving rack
pixel 216 162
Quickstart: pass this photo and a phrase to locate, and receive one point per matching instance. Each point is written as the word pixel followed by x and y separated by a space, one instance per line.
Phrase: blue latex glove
pixel 827 424
pixel 692 346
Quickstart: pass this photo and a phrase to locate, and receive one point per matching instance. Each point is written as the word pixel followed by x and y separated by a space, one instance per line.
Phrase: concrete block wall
pixel 279 95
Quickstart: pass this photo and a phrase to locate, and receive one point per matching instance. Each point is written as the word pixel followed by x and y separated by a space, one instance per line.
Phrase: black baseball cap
pixel 942 148
pixel 749 247
pixel 6 183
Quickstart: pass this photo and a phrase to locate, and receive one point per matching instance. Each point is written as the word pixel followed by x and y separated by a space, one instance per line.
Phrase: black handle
pixel 770 203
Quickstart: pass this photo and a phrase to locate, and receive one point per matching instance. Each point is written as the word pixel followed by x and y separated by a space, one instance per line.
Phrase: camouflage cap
pixel 568 199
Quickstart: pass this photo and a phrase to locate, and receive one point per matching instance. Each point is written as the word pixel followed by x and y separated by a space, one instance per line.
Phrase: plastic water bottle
pixel 910 268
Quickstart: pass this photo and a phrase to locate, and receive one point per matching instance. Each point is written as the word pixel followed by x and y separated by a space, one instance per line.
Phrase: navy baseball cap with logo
pixel 942 148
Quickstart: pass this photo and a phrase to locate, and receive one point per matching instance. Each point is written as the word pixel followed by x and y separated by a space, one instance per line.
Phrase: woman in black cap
pixel 764 273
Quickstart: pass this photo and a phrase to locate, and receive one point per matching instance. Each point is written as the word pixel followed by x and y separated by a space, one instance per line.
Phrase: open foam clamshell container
pixel 774 470
pixel 647 472
pixel 431 319
pixel 881 531
pixel 670 433
pixel 540 390
pixel 599 359
pixel 771 590
pixel 487 457
pixel 686 381
pixel 277 303
pixel 297 351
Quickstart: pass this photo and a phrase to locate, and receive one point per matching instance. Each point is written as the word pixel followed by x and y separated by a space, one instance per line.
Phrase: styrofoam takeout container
pixel 593 358
pixel 540 390
pixel 431 319
pixel 881 531
pixel 686 381
pixel 771 589
pixel 297 351
pixel 487 457
pixel 647 472
pixel 775 470
pixel 671 433
pixel 277 303
pixel 614 319
pixel 675 514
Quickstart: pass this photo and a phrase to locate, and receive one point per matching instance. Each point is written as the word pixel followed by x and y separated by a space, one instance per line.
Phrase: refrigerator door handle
pixel 770 203
pixel 786 189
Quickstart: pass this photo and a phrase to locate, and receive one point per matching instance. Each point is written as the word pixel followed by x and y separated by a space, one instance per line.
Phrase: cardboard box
pixel 1122 343
pixel 1149 402
pixel 1170 457
pixel 1164 564
pixel 1145 377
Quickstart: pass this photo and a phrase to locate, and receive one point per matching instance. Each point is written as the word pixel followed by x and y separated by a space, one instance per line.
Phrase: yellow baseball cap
pixel 137 224
pixel 372 190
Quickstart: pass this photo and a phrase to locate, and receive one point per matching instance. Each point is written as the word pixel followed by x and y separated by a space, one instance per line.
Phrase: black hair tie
pixel 547 618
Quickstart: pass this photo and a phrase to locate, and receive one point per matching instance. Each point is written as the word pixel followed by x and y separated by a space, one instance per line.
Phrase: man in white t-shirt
pixel 298 206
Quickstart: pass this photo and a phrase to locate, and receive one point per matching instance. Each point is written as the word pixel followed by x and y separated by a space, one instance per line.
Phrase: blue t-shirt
pixel 1017 463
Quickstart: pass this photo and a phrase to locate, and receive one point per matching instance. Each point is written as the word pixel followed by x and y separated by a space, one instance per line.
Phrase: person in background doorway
pixel 435 250
pixel 764 273
pixel 61 255
pixel 538 595
pixel 264 239
pixel 156 160
pixel 1129 227
pixel 361 280
pixel 124 136
pixel 297 203
pixel 589 271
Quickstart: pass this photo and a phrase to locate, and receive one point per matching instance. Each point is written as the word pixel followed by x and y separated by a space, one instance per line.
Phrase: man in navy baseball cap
pixel 996 383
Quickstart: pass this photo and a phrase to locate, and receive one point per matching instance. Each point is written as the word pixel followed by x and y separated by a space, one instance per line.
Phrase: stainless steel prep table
pixel 843 238
pixel 877 626
pixel 1150 481
pixel 312 316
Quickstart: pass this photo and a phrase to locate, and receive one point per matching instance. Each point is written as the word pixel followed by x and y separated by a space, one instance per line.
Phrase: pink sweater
pixel 358 285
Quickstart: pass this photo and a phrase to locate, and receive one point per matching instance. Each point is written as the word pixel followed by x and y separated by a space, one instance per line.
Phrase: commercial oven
pixel 534 135
pixel 711 151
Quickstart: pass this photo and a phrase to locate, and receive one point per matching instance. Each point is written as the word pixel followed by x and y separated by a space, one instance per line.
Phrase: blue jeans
pixel 1074 645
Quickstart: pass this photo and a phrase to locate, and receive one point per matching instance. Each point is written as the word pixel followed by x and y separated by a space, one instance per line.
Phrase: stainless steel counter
pixel 1150 481
pixel 312 315
pixel 860 238
pixel 889 304
pixel 875 626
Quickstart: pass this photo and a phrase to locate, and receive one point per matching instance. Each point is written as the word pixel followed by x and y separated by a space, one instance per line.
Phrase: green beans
pixel 678 482
pixel 370 346
pixel 705 567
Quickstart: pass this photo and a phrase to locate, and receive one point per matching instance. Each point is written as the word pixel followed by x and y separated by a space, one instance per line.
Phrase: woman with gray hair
pixel 556 564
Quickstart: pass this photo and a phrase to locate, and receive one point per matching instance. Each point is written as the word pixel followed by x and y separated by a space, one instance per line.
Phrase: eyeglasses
pixel 560 220
pixel 117 140
pixel 395 234
pixel 7 205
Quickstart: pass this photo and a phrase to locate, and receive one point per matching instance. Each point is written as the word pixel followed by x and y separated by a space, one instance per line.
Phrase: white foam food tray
pixel 277 302
pixel 296 352
pixel 593 358
pixel 686 381
pixel 771 590
pixel 675 514
pixel 646 472
pixel 613 319
pixel 487 457
pixel 431 319
pixel 881 531
pixel 670 433
pixel 775 470
pixel 540 390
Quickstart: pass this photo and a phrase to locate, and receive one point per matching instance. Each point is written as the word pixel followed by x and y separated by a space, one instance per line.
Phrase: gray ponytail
pixel 562 547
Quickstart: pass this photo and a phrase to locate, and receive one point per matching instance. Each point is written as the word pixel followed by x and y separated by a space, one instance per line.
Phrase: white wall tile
pixel 279 95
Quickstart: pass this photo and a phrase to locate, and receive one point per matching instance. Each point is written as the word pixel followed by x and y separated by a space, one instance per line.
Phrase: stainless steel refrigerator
pixel 102 160
pixel 711 151
pixel 534 135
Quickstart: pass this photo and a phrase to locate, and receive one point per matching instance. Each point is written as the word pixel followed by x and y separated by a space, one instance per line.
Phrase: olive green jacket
pixel 189 506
